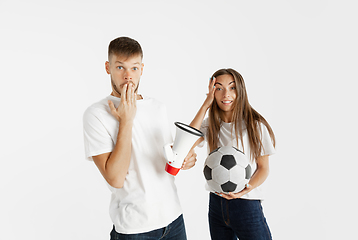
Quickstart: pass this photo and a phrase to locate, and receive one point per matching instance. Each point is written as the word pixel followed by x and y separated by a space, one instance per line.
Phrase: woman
pixel 232 121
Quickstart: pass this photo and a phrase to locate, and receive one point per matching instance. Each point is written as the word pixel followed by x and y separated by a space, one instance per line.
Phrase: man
pixel 124 135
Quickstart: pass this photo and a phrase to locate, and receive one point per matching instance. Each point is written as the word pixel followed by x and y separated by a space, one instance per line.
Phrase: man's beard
pixel 115 89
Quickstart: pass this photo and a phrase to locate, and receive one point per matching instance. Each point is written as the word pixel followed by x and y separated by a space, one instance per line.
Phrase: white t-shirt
pixel 148 199
pixel 226 138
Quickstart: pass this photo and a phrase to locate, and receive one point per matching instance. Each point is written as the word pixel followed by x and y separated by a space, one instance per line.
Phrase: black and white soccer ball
pixel 227 169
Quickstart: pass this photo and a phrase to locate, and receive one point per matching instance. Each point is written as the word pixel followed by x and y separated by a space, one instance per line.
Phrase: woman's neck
pixel 226 117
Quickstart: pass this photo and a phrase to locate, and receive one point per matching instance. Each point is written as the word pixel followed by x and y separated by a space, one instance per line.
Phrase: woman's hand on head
pixel 210 96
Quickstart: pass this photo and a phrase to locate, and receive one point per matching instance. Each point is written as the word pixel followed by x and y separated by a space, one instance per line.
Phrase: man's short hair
pixel 124 47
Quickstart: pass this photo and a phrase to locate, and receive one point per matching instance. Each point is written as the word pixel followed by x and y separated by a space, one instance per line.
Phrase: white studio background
pixel 298 59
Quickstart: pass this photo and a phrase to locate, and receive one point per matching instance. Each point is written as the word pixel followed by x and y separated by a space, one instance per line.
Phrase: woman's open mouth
pixel 226 102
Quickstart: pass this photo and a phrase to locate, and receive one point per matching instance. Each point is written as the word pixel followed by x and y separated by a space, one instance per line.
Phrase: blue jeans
pixel 237 218
pixel 174 231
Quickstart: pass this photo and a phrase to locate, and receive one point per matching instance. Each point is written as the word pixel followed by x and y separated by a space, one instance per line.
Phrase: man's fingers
pixel 134 96
pixel 191 155
pixel 130 93
pixel 189 160
pixel 112 108
pixel 124 92
pixel 188 164
pixel 111 105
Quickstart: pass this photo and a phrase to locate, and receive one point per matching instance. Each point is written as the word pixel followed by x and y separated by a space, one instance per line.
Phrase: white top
pixel 148 199
pixel 226 138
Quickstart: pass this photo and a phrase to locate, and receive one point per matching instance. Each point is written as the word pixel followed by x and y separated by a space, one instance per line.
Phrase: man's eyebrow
pixel 136 63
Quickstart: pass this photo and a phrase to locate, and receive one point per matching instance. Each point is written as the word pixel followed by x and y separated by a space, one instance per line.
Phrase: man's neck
pixel 118 95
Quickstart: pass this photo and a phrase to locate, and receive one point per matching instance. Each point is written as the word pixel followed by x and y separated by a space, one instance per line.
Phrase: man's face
pixel 124 71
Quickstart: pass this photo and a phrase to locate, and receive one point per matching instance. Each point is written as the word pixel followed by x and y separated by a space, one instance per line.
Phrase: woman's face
pixel 225 93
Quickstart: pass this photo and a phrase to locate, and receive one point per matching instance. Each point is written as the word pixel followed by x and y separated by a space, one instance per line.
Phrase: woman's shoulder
pixel 205 122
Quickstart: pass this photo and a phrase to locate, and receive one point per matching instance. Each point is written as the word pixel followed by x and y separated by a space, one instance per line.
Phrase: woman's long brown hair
pixel 244 116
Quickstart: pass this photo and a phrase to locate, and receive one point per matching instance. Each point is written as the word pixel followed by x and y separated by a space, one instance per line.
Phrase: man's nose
pixel 127 75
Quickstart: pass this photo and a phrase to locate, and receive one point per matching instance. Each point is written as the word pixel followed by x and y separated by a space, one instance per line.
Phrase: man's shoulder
pixel 97 108
pixel 158 101
pixel 150 101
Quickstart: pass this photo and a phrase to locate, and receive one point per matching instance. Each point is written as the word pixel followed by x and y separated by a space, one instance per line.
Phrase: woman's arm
pixel 198 119
pixel 258 178
pixel 196 123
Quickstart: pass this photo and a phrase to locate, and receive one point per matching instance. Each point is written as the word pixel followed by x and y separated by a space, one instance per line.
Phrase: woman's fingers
pixel 212 84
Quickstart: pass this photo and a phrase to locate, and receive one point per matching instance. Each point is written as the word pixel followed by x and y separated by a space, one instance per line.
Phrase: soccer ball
pixel 227 169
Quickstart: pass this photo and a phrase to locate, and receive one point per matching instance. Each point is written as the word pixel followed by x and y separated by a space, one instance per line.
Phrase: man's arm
pixel 114 165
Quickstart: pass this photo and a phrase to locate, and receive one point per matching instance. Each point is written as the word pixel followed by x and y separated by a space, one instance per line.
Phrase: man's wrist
pixel 125 122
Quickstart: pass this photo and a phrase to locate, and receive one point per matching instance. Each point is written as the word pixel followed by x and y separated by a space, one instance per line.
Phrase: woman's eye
pixel 135 68
pixel 233 88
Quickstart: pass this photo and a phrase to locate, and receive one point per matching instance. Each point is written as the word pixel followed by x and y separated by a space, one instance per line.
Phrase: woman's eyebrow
pixel 221 84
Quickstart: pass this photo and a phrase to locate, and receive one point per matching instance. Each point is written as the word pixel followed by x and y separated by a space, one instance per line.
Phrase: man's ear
pixel 142 69
pixel 107 67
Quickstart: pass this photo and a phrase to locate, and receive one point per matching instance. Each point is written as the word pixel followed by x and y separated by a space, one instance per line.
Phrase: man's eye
pixel 120 67
pixel 135 68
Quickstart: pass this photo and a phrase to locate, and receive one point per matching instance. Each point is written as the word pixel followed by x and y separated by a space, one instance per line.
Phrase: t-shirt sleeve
pixel 97 140
pixel 204 129
pixel 268 148
pixel 165 126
